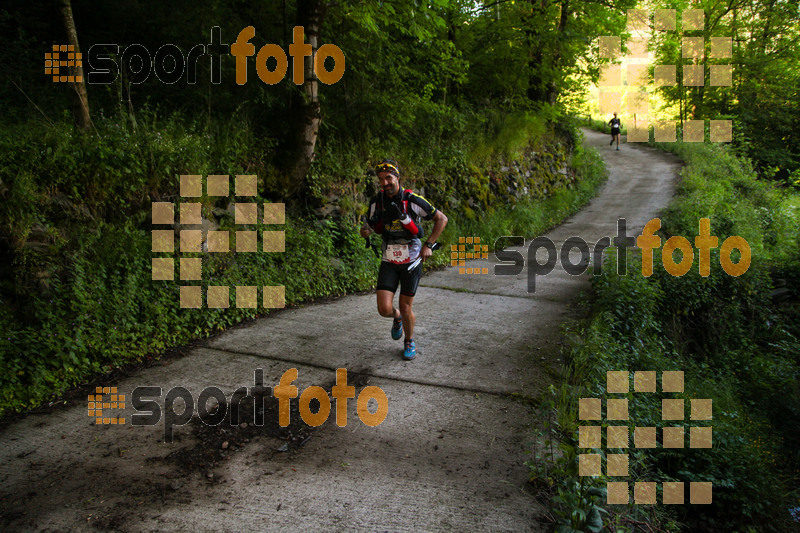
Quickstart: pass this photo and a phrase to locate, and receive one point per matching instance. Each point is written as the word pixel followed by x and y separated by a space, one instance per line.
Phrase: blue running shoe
pixel 410 351
pixel 397 328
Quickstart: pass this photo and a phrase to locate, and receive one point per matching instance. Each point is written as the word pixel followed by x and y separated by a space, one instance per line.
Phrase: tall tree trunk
pixel 700 108
pixel 553 86
pixel 536 85
pixel 305 107
pixel 767 26
pixel 533 32
pixel 543 63
pixel 80 100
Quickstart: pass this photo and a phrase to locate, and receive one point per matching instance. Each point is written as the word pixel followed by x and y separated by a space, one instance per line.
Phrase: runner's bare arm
pixel 439 222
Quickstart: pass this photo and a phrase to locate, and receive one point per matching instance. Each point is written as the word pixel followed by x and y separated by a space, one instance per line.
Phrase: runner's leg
pixel 386 304
pixel 409 281
pixel 408 315
pixel 388 279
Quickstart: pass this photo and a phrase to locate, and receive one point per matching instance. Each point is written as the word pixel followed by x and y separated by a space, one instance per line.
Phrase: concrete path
pixel 448 457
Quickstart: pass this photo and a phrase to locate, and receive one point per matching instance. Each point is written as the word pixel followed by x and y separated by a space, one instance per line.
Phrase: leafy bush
pixel 734 343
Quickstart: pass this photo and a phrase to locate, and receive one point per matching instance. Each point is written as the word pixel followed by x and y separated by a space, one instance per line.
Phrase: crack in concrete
pixel 477 390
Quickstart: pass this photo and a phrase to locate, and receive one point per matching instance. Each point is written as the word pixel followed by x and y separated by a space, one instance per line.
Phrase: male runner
pixel 397 215
pixel 615 127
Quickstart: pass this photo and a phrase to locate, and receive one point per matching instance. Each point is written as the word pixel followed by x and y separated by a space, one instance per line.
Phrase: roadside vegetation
pixel 735 338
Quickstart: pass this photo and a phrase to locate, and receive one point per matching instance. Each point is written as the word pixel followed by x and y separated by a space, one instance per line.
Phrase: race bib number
pixel 396 253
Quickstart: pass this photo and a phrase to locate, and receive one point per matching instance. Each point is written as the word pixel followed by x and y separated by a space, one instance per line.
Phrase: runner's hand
pixel 425 253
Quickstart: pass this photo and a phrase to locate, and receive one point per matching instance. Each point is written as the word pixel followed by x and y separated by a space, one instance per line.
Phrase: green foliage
pixel 532 216
pixel 76 296
pixel 734 344
pixel 105 310
pixel 736 202
pixel 585 501
pixel 578 501
pixel 763 98
pixel 510 135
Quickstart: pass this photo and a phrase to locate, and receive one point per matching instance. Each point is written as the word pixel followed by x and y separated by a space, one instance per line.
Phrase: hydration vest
pixel 404 207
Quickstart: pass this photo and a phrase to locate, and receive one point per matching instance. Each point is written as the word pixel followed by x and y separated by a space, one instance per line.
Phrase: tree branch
pixel 31 101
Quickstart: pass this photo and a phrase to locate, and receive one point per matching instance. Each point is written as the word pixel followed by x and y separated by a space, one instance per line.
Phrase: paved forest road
pixel 448 457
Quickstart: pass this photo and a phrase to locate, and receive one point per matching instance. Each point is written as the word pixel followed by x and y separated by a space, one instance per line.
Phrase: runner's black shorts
pixel 614 131
pixel 390 275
